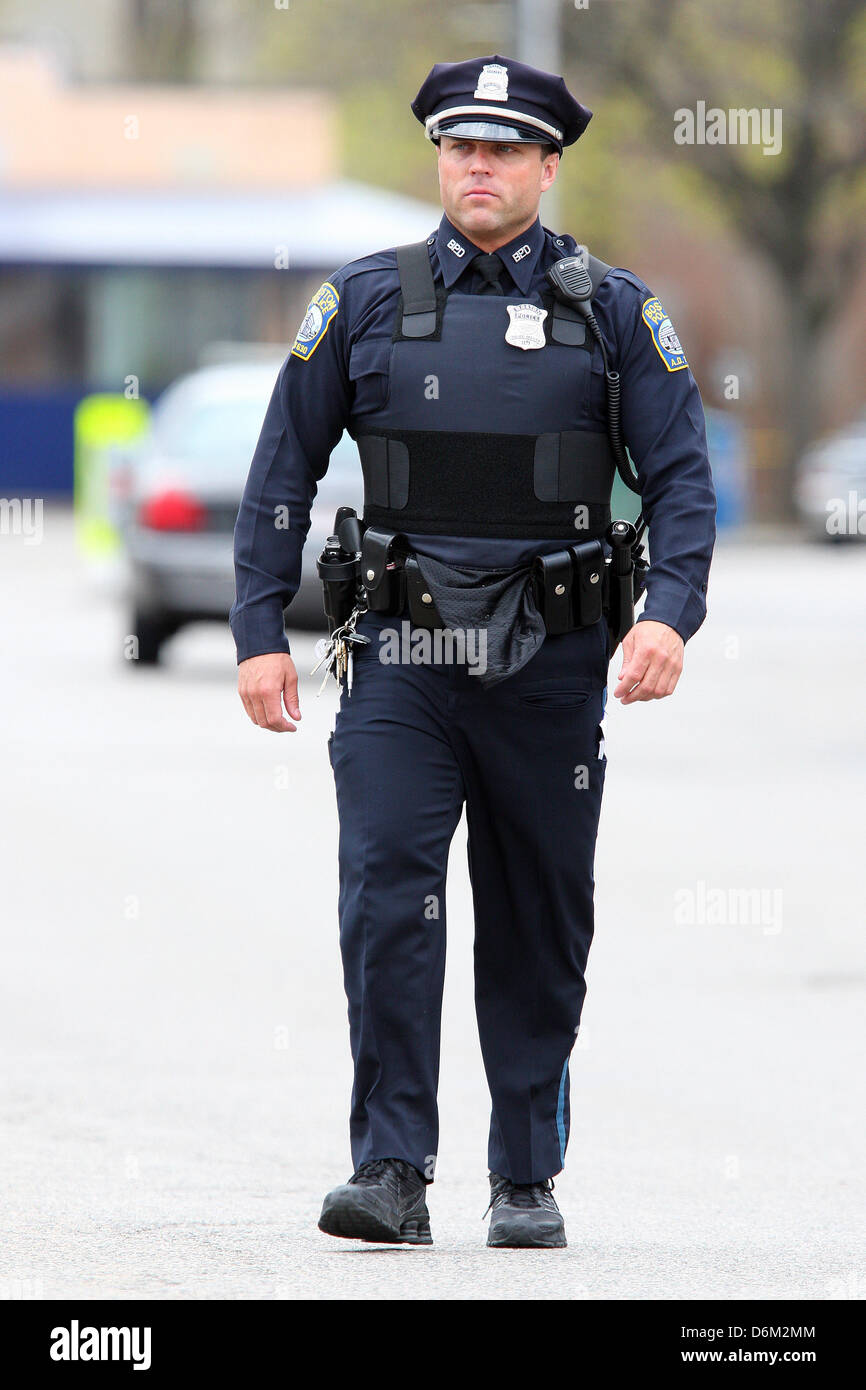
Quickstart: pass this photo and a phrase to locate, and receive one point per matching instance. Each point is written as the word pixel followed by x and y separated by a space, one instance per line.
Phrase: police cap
pixel 499 99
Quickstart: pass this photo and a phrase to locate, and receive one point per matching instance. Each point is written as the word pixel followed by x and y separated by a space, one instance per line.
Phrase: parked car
pixel 182 496
pixel 831 485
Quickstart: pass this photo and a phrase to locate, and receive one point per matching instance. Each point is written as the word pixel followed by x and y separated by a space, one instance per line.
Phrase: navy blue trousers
pixel 412 744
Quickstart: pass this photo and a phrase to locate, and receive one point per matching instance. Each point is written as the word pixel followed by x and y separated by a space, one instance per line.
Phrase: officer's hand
pixel 652 662
pixel 262 682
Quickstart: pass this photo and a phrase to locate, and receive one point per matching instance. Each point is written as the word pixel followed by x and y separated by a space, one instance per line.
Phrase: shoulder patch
pixel 322 308
pixel 664 335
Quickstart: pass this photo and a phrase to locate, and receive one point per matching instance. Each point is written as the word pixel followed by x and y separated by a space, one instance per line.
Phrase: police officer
pixel 480 406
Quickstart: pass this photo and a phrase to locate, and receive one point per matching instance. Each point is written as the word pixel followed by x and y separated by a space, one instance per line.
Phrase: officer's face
pixel 491 191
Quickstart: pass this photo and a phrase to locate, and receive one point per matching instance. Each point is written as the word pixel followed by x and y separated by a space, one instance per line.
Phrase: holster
pixel 339 575
pixel 623 581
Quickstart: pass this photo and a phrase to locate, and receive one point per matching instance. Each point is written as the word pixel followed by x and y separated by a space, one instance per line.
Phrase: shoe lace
pixel 382 1170
pixel 371 1172
pixel 504 1192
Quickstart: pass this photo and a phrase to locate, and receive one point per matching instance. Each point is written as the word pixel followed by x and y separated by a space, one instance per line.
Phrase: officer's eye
pixel 504 149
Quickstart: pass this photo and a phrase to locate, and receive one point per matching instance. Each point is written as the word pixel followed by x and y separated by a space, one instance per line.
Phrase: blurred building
pixel 142 223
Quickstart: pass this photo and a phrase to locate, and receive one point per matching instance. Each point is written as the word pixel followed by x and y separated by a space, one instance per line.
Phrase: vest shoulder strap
pixel 418 290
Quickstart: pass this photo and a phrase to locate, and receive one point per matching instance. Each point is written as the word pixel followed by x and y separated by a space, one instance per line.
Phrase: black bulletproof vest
pixel 477 436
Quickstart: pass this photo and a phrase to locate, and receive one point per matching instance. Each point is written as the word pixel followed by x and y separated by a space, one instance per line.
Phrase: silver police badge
pixel 492 83
pixel 526 326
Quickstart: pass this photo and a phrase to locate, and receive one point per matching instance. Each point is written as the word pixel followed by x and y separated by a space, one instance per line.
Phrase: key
pixel 337 656
pixel 327 673
pixel 353 639
pixel 327 653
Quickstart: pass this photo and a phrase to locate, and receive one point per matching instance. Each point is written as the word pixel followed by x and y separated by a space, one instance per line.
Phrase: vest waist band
pixel 473 484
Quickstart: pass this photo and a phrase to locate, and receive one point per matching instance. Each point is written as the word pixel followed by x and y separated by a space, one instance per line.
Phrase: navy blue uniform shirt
pixel 312 403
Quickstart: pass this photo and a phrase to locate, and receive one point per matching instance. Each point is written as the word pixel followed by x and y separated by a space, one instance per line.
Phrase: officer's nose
pixel 480 162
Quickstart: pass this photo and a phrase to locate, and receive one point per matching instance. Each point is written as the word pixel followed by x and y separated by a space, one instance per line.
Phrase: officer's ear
pixel 549 168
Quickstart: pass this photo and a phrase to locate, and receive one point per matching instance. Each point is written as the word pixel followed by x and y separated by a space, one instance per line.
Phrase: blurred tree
pixel 162 40
pixel 801 210
pixel 373 56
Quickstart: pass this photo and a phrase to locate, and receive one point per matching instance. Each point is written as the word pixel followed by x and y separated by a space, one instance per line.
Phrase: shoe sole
pixel 517 1239
pixel 351 1222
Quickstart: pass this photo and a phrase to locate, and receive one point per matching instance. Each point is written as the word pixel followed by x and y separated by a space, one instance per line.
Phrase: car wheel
pixel 151 630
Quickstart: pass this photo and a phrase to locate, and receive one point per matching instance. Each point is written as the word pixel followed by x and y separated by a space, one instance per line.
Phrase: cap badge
pixel 493 83
pixel 526 326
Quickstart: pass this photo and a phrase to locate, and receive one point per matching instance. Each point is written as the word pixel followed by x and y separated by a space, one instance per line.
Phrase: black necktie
pixel 489 268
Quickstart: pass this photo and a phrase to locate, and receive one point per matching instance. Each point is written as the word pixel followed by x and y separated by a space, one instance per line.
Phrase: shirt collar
pixel 519 256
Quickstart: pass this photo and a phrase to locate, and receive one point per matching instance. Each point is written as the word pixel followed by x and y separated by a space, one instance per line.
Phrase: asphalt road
pixel 176 1065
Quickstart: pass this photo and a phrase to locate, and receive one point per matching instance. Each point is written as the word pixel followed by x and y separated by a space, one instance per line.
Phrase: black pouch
pixel 422 609
pixel 552 579
pixel 588 605
pixel 382 571
pixel 568 587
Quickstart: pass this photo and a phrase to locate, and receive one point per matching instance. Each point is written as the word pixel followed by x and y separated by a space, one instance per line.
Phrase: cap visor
pixel 488 130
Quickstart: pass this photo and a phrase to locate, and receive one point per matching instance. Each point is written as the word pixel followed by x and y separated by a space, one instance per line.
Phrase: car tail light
pixel 173 511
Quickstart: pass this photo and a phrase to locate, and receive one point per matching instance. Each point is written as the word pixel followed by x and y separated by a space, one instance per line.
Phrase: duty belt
pixel 572 588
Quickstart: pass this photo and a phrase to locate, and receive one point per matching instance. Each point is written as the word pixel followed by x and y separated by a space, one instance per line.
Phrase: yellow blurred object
pixel 102 424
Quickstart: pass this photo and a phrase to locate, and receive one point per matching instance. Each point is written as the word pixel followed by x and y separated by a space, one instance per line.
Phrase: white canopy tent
pixel 313 229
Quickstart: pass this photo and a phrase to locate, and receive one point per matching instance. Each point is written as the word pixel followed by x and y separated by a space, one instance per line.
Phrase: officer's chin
pixel 481 212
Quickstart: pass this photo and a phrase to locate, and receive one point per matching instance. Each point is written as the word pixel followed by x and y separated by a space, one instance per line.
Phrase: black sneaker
pixel 383 1201
pixel 524 1215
